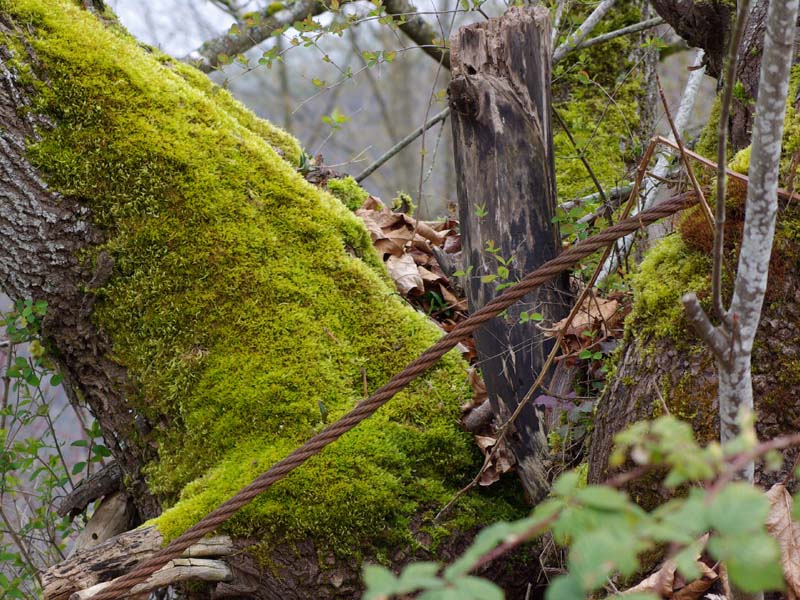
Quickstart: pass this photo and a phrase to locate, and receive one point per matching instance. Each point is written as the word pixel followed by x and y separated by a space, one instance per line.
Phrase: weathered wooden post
pixel 500 98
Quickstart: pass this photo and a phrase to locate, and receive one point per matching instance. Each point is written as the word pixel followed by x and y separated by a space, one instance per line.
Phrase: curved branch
pixel 206 57
pixel 419 30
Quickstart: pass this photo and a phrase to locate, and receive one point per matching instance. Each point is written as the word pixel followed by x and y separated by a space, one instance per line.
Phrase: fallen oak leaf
pixel 405 274
pixel 781 526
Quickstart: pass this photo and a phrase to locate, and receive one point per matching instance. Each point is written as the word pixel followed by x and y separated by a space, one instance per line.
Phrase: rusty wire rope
pixel 367 407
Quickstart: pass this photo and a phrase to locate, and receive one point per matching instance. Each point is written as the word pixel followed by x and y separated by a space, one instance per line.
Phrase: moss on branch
pixel 245 303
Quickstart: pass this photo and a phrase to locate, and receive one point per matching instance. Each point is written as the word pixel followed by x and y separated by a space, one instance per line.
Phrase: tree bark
pixel 207 304
pixel 707 24
pixel 43 234
pixel 500 100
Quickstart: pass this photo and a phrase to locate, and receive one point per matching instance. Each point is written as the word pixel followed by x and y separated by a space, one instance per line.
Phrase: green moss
pixel 348 192
pixel 741 161
pixel 239 304
pixel 599 102
pixel 668 271
pixel 707 144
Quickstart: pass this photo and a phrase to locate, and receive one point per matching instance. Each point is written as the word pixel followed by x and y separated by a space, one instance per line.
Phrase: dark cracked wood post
pixel 500 97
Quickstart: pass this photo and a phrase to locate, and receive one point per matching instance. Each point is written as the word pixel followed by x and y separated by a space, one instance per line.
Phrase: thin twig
pixel 663 163
pixel 401 144
pixel 722 140
pixel 573 41
pixel 681 150
pixel 606 37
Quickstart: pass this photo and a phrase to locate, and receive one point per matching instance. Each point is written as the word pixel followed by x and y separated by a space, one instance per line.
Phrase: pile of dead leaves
pixel 409 247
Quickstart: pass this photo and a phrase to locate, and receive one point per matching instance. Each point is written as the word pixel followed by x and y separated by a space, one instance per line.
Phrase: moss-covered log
pixel 214 309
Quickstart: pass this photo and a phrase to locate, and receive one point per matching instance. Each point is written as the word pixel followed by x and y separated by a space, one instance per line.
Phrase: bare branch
pixel 206 57
pixel 698 319
pixel 585 29
pixel 402 144
pixel 419 30
pixel 664 160
pixel 611 35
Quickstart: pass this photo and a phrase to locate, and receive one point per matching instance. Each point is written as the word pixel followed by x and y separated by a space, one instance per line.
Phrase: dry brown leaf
pixel 781 526
pixel 368 217
pixel 501 462
pixel 372 203
pixel 386 246
pixel 667 583
pixel 405 274
pixel 659 583
pixel 485 442
pixel 452 300
pixel 595 314
pixel 428 276
pixel 452 244
pixel 424 230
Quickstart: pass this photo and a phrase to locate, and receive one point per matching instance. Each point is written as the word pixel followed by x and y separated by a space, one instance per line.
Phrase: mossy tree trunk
pixel 213 309
pixel 661 357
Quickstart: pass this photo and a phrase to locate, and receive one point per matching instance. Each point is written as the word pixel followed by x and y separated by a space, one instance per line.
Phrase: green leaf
pixel 442 594
pixel 418 576
pixel 56 379
pixel 78 467
pixel 488 278
pixel 80 443
pixel 565 587
pixel 689 516
pixel 596 555
pixel 100 450
pixel 739 508
pixel 479 589
pixel 753 560
pixel 686 561
pixel 566 484
pixel 379 580
pixel 602 497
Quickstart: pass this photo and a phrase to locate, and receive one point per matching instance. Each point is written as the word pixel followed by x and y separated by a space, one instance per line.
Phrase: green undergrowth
pixel 597 93
pixel 246 305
